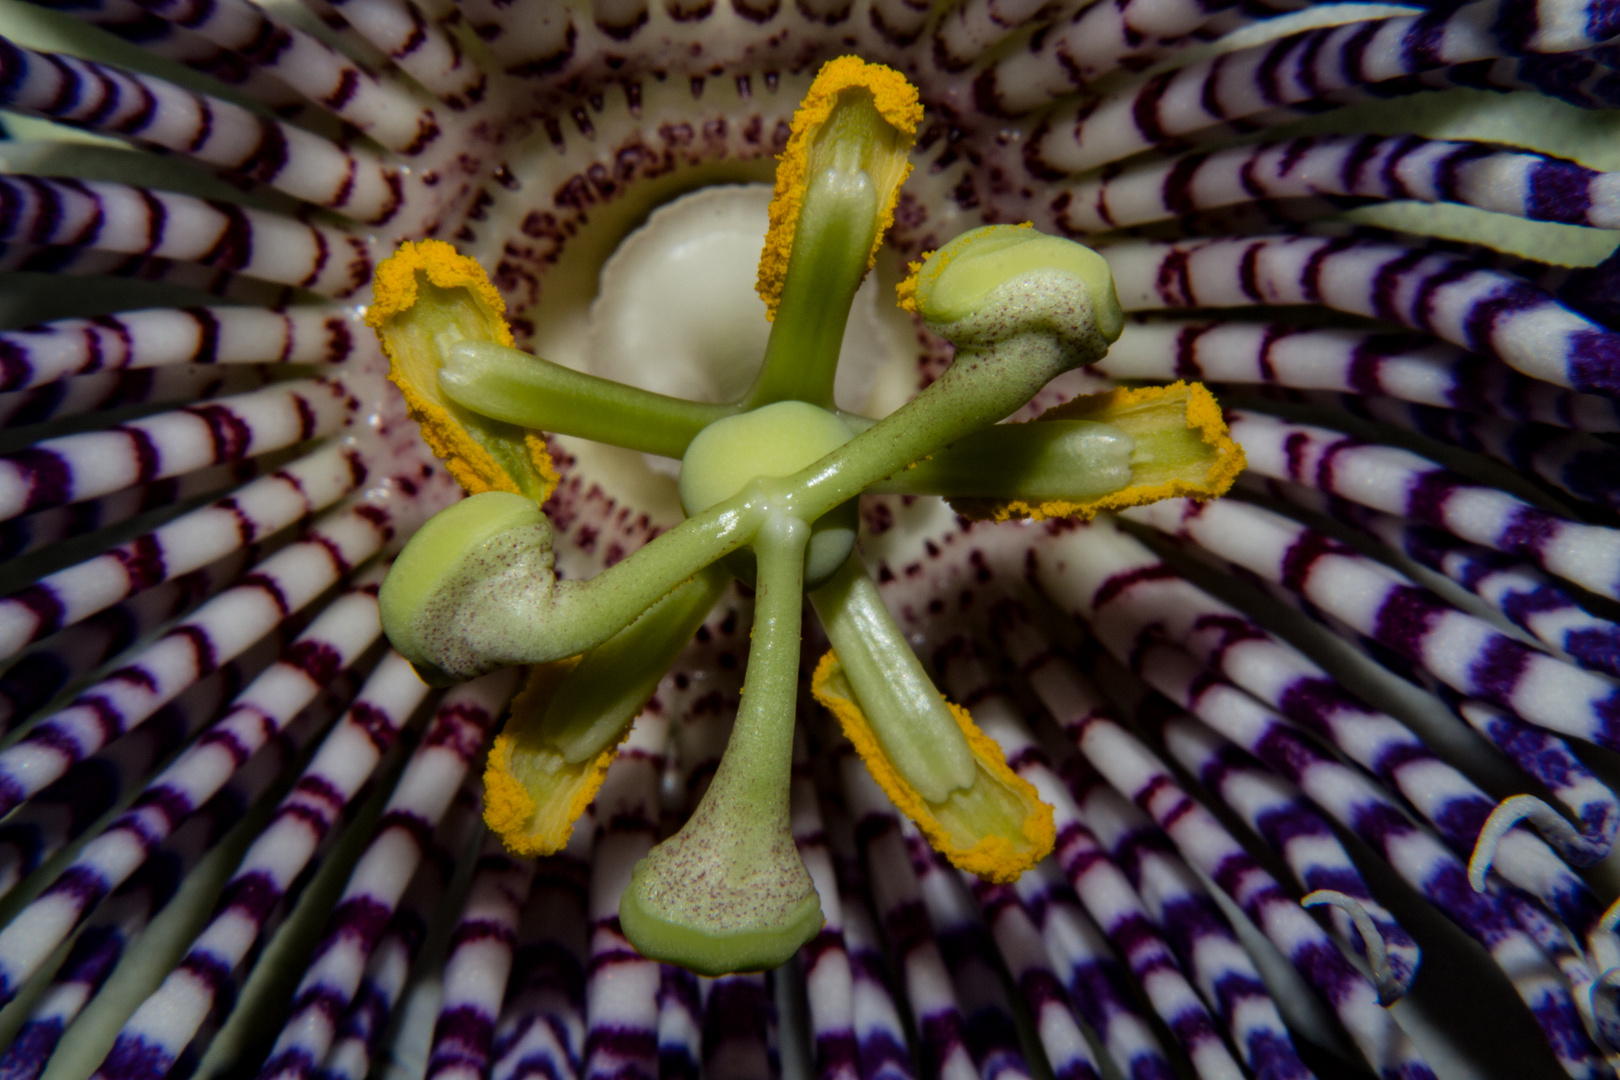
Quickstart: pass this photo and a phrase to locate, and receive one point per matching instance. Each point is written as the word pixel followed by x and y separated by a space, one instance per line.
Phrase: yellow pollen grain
pixel 393 287
pixel 512 813
pixel 896 102
pixel 906 292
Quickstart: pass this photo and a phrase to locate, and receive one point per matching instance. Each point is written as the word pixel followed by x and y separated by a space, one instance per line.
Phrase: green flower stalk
pixel 770 486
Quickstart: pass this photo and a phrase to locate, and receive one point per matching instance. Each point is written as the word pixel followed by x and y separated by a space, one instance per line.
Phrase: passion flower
pixel 205 473
pixel 769 486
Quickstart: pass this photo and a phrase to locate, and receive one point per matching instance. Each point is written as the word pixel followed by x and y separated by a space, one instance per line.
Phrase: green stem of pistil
pixel 764 729
pixel 908 715
pixel 581 615
pixel 517 618
pixel 982 386
pixel 729 892
pixel 519 388
pixel 507 606
pixel 600 697
pixel 475 589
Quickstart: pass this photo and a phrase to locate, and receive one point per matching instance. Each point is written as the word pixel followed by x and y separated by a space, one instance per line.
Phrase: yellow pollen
pixel 997 828
pixel 896 102
pixel 394 286
pixel 1209 478
pixel 532 795
pixel 905 293
pixel 396 314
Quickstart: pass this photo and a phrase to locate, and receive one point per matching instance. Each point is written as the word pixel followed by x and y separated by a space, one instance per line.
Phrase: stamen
pixel 552 756
pixel 996 827
pixel 836 188
pixel 428 298
pixel 1078 459
pixel 1179 448
pixel 894 99
pixel 913 724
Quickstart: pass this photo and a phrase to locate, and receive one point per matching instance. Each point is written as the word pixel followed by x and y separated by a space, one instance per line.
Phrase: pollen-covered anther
pixel 1178 447
pixel 997 827
pixel 565 728
pixel 879 148
pixel 427 298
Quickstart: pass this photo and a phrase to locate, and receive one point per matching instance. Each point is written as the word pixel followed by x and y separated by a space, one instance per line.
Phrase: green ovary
pixel 772 441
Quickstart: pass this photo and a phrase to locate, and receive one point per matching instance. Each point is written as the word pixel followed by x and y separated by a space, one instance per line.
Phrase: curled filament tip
pixel 1391 988
pixel 1570 843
